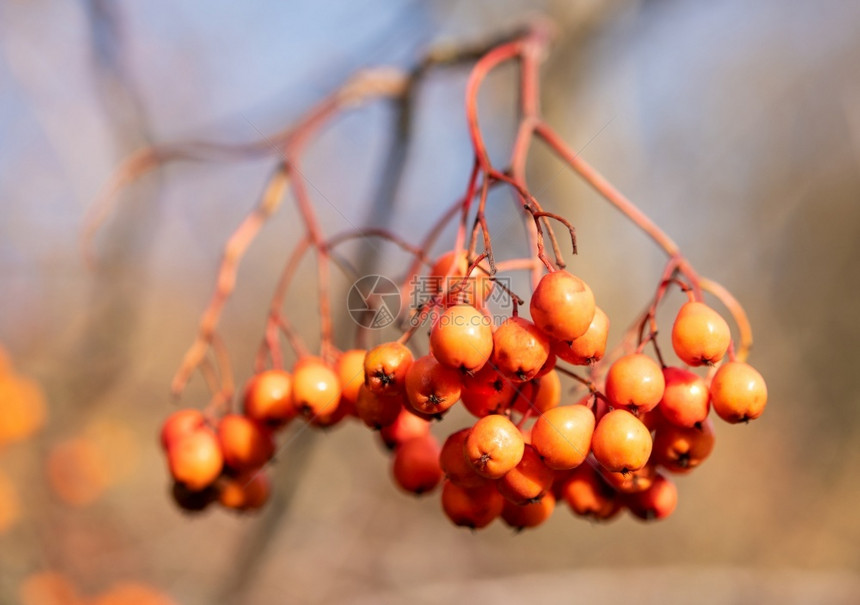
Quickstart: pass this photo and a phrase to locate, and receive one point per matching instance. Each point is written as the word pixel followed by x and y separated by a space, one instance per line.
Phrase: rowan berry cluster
pixel 614 446
pixel 611 450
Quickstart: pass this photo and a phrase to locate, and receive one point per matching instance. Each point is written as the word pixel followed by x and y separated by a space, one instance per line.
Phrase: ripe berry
pixel 447 273
pixel 530 514
pixel 656 502
pixel 316 388
pixel 452 459
pixel 700 335
pixel 195 459
pixel 686 401
pixel 562 305
pixel 549 364
pixel 378 410
pixel 179 424
pixel 474 507
pixel 406 426
pixel 681 449
pixel 343 410
pixel 632 482
pixel 416 465
pixel 588 348
pixel 562 436
pixel 494 446
pixel 621 443
pixel 350 372
pixel 520 349
pixel 528 481
pixel 245 443
pixel 268 398
pixel 546 394
pixel 385 368
pixel 432 388
pixel 23 408
pixel 77 471
pixel 245 492
pixel 738 392
pixel 486 392
pixel 635 382
pixel 588 495
pixel 462 338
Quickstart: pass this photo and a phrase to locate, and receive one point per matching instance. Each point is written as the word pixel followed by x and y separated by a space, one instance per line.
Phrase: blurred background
pixel 735 125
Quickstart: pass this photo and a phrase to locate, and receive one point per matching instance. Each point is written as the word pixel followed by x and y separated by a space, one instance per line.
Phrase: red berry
pixel 471 507
pixel 686 401
pixel 416 465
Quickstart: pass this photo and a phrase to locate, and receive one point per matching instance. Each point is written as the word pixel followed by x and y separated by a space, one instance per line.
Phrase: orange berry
pixel 350 371
pixel 549 364
pixel 588 348
pixel 416 465
pixel 245 492
pixel 245 443
pixel 680 449
pixel 656 502
pixel 378 410
pixel 632 482
pixel 268 398
pixel 546 395
pixel 195 459
pixel 447 274
pixel 316 388
pixel 48 588
pixel 562 436
pixel 462 338
pixel 686 401
pixel 453 462
pixel 588 495
pixel 621 443
pixel 520 349
pixel 700 335
pixel 385 368
pixel 528 481
pixel 325 421
pixel 530 514
pixel 405 427
pixel 738 392
pixel 562 305
pixel 432 388
pixel 494 446
pixel 635 382
pixel 179 424
pixel 22 408
pixel 132 593
pixel 486 392
pixel 77 471
pixel 474 507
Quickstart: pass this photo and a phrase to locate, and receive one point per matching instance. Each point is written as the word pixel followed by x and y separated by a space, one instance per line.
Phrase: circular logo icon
pixel 373 302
